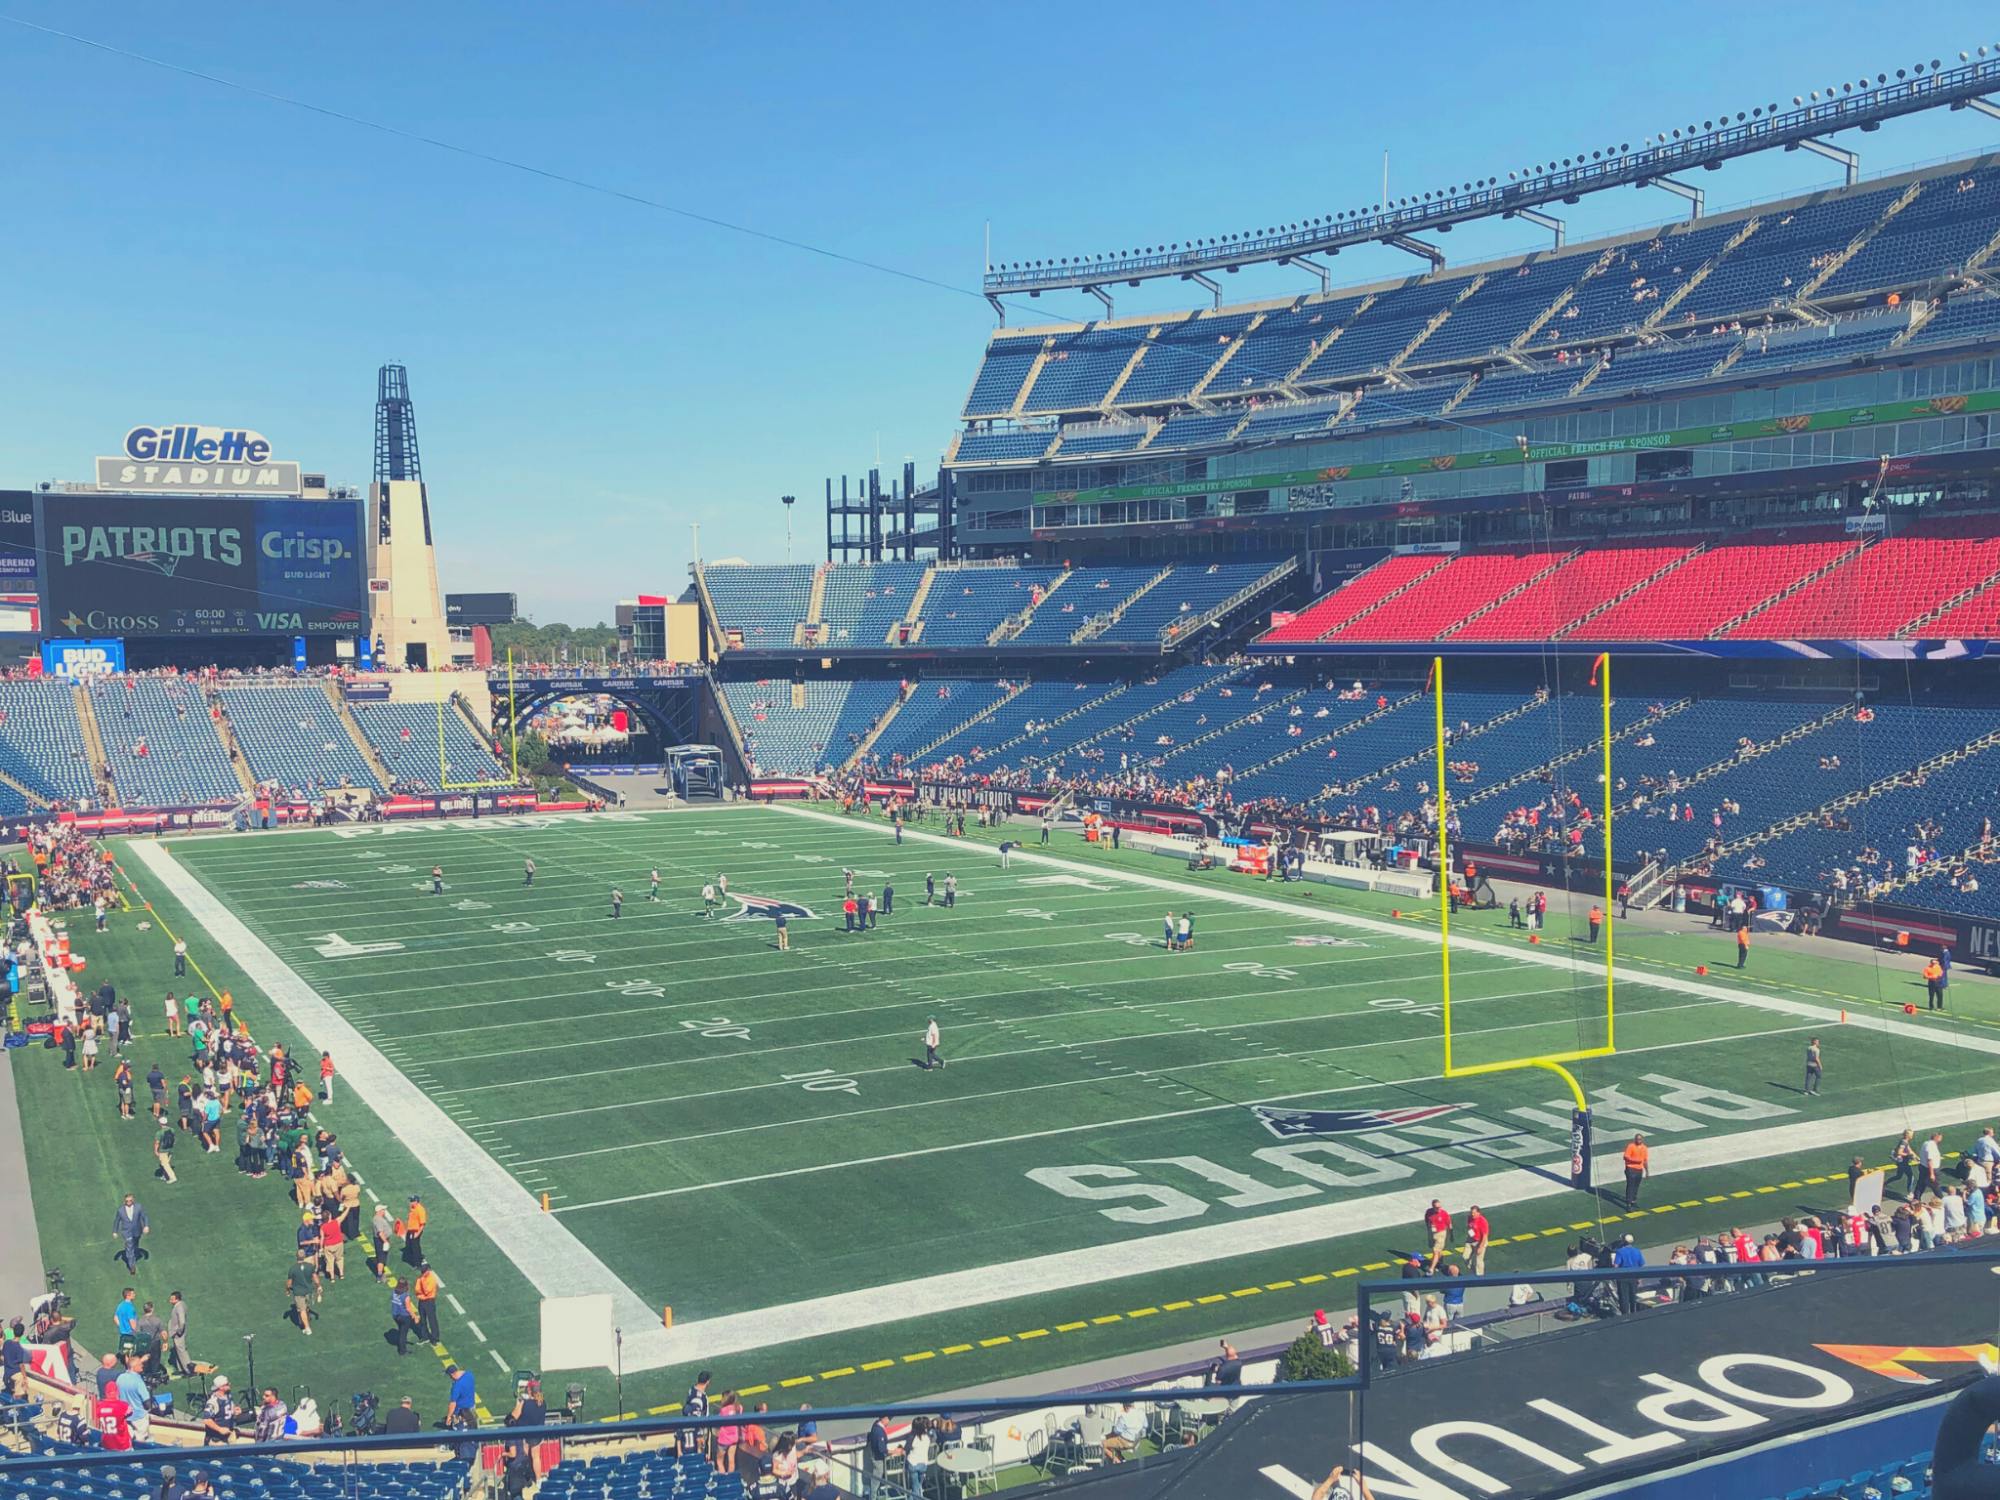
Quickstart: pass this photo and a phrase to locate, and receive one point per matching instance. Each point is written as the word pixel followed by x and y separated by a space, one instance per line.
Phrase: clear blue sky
pixel 592 376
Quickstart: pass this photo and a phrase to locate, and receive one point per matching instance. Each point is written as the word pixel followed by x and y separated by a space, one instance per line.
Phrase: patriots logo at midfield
pixel 767 908
pixel 1288 1124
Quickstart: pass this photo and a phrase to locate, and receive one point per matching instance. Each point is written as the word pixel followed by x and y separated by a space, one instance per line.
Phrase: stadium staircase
pixel 1092 628
pixel 1913 777
pixel 1090 706
pixel 1853 246
pixel 1201 386
pixel 353 727
pixel 916 756
pixel 1575 753
pixel 1924 313
pixel 1576 625
pixel 93 741
pixel 470 717
pixel 737 741
pixel 1034 373
pixel 1388 598
pixel 1428 754
pixel 1014 624
pixel 867 743
pixel 1499 599
pixel 1294 751
pixel 811 630
pixel 1839 561
pixel 1702 272
pixel 1232 674
pixel 913 617
pixel 1320 346
pixel 1992 580
pixel 1563 299
pixel 34 799
pixel 1754 752
pixel 1138 355
pixel 1174 633
pixel 1437 320
pixel 232 749
pixel 1471 385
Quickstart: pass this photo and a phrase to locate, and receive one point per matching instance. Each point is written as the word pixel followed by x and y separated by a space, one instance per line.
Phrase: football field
pixel 750 1135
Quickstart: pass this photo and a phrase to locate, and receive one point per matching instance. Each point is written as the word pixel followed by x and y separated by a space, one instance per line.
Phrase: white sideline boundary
pixel 555 1262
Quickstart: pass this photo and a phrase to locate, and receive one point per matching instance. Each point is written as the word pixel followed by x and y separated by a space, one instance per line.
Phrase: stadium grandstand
pixel 1551 698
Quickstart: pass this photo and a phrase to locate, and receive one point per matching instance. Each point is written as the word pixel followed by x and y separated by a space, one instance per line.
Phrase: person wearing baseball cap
pixel 218 1414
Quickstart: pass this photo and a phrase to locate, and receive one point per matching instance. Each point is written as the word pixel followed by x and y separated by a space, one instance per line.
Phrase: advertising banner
pixel 127 565
pixel 17 542
pixel 72 658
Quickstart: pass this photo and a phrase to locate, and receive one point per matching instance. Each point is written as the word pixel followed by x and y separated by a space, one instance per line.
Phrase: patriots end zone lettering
pixel 1361 1150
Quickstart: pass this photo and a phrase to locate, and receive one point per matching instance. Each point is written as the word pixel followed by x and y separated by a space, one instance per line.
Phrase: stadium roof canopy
pixel 1858 104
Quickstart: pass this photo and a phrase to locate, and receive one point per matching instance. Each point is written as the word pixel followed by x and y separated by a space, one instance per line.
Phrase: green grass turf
pixel 607 1064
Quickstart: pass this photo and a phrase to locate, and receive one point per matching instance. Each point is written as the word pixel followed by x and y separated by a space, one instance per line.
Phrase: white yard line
pixel 554 1261
pixel 1827 1014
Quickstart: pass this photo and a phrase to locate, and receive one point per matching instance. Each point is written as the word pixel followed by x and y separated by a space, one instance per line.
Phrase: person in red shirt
pixel 1477 1235
pixel 1438 1222
pixel 326 1077
pixel 333 1248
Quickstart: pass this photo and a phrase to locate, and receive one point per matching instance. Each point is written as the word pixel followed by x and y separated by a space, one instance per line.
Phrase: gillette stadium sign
pixel 186 459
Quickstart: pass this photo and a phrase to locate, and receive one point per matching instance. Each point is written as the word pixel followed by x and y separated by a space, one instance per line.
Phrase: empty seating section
pixel 1798 777
pixel 934 709
pixel 1952 219
pixel 291 733
pixel 1977 617
pixel 1175 361
pixel 141 1478
pixel 1323 719
pixel 998 385
pixel 1193 429
pixel 1279 345
pixel 1955 796
pixel 41 741
pixel 823 733
pixel 1495 315
pixel 994 447
pixel 1670 362
pixel 1959 320
pixel 1881 591
pixel 1362 592
pixel 1501 389
pixel 1091 592
pixel 1357 752
pixel 1170 702
pixel 405 735
pixel 1382 404
pixel 1635 283
pixel 1277 419
pixel 1243 729
pixel 1185 594
pixel 1381 333
pixel 1784 252
pixel 1442 600
pixel 763 602
pixel 1083 444
pixel 966 605
pixel 1833 343
pixel 1542 610
pixel 1024 717
pixel 163 748
pixel 1080 368
pixel 1712 588
pixel 863 600
pixel 1592 297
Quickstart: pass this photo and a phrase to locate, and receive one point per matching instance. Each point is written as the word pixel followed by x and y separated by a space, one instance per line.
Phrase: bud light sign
pixel 82 658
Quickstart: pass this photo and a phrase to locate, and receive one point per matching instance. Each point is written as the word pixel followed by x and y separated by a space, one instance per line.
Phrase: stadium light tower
pixel 408 612
pixel 788 501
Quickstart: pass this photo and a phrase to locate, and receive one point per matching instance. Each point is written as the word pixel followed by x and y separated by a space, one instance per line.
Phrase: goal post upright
pixel 1549 1062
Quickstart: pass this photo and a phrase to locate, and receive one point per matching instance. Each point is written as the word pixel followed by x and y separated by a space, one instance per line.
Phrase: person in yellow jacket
pixel 1934 984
